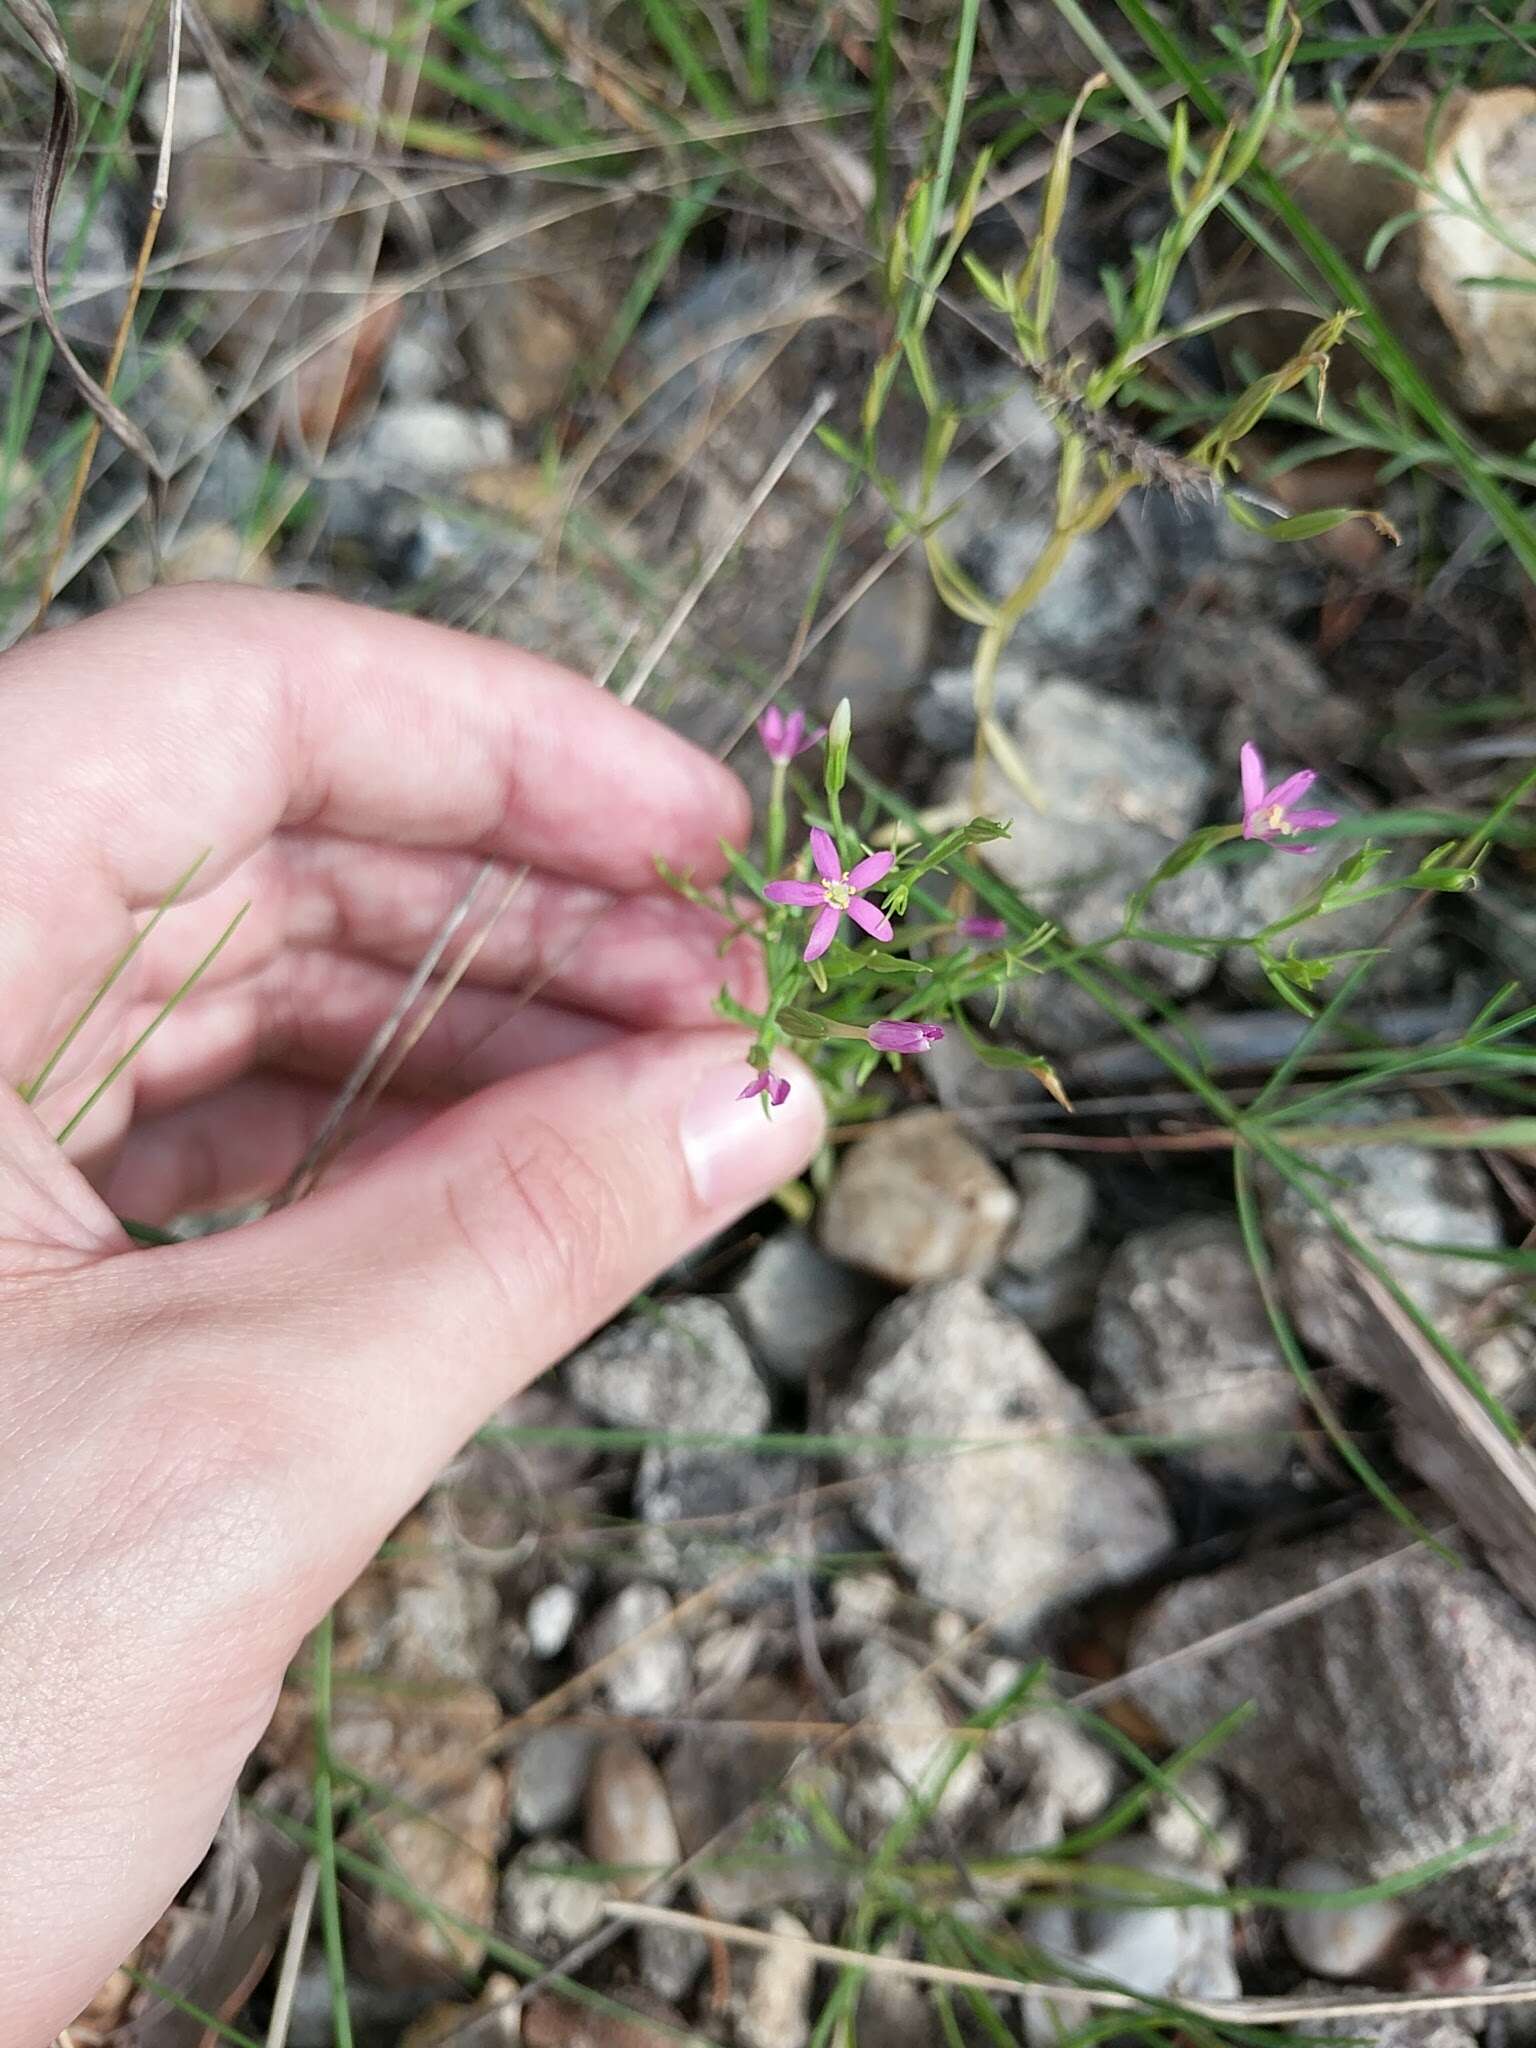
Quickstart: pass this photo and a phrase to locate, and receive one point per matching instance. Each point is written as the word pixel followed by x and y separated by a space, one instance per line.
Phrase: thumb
pixel 396 1311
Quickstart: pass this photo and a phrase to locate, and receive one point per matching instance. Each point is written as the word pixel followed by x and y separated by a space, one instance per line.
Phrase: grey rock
pixel 727 1775
pixel 671 1959
pixel 1394 1197
pixel 550 1618
pixel 1182 1346
pixel 750 1500
pixel 1068 1779
pixel 684 1365
pixel 1015 420
pixel 628 1821
pixel 773 2007
pixel 88 266
pixel 1021 1524
pixel 1345 1942
pixel 801 1310
pixel 986 1101
pixel 543 1904
pixel 375 2009
pixel 898 2013
pixel 1097 594
pixel 200 110
pixel 1160 1951
pixel 944 713
pixel 1396 1713
pixel 652 1679
pixel 549 1777
pixel 1119 785
pixel 423 358
pixel 422 1610
pixel 723 1658
pixel 1116 787
pixel 1201 661
pixel 862 1601
pixel 1457 2029
pixel 879 651
pixel 1055 1210
pixel 916 1201
pixel 419 442
pixel 1063 1293
pixel 1197 1825
pixel 908 1735
pixel 711 329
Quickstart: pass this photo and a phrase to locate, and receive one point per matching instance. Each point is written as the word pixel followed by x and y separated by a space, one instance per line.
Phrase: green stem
pixel 773 854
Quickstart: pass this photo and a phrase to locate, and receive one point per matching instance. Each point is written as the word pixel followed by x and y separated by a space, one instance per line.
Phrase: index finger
pixel 206 717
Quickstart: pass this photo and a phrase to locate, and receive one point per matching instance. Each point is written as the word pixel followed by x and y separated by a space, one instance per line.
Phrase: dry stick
pixel 412 1032
pixel 293 1956
pixel 767 483
pixel 527 163
pixel 378 1046
pixel 157 204
pixel 494 236
pixel 1237 2011
pixel 818 302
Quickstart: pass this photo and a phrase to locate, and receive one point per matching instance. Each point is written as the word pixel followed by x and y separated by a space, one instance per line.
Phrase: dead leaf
pixel 1449 1438
pixel 53 157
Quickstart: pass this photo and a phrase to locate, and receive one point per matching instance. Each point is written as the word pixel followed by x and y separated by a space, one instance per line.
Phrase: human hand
pixel 204 1443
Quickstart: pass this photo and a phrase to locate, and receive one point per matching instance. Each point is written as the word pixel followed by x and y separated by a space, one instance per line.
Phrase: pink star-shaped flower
pixel 783 737
pixel 768 1083
pixel 1270 814
pixel 835 893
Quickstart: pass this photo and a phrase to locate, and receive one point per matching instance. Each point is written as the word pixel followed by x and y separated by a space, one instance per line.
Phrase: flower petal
pixel 1253 776
pixel 823 932
pixel 870 869
pixel 824 853
pixel 869 919
pixel 894 1034
pixel 1285 793
pixel 778 1091
pixel 982 928
pixel 755 1086
pixel 794 733
pixel 1313 821
pixel 803 895
pixel 770 729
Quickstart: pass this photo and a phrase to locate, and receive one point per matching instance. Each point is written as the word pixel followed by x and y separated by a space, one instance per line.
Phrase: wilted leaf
pixel 53 157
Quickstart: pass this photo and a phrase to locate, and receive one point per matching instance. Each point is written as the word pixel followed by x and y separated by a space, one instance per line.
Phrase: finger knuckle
pixel 537 1215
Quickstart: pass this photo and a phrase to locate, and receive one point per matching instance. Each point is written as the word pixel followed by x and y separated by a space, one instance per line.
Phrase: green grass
pixel 712 102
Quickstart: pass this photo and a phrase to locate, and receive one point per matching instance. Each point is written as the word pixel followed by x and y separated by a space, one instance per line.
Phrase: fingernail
pixel 736 1155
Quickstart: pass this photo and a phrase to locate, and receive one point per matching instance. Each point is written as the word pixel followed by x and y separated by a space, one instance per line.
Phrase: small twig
pixel 318 1147
pixel 1233 2012
pixel 293 1957
pixel 157 204
pixel 710 567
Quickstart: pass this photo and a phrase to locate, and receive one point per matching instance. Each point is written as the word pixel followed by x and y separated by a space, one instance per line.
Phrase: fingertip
pixel 737 1153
